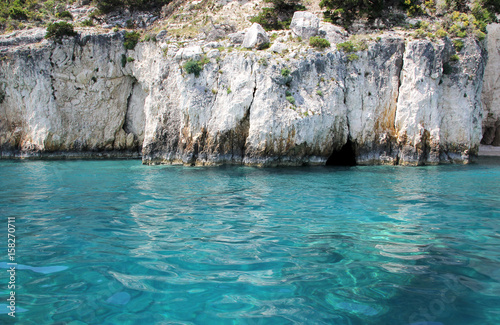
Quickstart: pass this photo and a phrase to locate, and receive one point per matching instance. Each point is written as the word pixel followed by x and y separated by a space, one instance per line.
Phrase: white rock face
pixel 70 97
pixel 192 52
pixel 278 48
pixel 491 89
pixel 255 37
pixel 396 103
pixel 334 34
pixel 305 24
pixel 439 108
pixel 372 89
pixel 236 38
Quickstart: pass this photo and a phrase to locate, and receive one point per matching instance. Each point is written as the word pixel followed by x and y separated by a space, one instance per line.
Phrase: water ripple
pixel 114 242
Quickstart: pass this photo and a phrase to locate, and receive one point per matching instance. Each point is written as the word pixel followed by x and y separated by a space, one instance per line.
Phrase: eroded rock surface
pixel 255 37
pixel 491 89
pixel 398 102
pixel 305 24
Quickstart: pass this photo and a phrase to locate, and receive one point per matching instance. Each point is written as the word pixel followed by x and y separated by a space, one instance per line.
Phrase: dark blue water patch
pixel 116 242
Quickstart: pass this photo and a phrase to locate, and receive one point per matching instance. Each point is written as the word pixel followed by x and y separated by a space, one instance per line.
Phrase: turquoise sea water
pixel 115 242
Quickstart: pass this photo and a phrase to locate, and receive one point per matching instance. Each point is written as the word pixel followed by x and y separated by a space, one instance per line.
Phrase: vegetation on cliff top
pixel 15 14
pixel 110 5
pixel 448 18
pixel 279 15
pixel 57 31
pixel 344 12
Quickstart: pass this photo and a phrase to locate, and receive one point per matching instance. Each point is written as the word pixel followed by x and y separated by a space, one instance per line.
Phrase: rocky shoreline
pixel 399 101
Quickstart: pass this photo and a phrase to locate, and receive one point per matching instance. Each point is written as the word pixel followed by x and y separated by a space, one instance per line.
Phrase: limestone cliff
pixel 491 89
pixel 399 101
pixel 69 97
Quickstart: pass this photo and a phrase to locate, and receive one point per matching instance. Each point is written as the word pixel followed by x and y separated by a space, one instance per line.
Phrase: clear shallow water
pixel 115 242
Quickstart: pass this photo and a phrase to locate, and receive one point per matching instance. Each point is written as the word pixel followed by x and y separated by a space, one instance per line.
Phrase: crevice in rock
pixel 400 65
pixel 345 156
pixel 245 130
pixel 424 148
pixel 75 44
pixel 491 134
pixel 245 122
pixel 52 79
pixel 134 116
pixel 198 146
pixel 216 83
pixel 125 126
pixel 348 123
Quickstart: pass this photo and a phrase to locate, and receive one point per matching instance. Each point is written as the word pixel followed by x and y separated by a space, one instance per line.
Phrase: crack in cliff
pixel 400 82
pixel 245 122
pixel 125 127
pixel 7 122
pixel 346 112
pixel 52 79
pixel 76 42
pixel 205 136
pixel 400 65
pixel 216 83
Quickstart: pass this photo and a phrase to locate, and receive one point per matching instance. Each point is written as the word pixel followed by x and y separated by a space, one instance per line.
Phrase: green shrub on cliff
pixel 345 11
pixel 18 13
pixel 192 66
pixel 319 42
pixel 87 23
pixel 279 16
pixel 107 6
pixel 131 39
pixel 346 47
pixel 413 8
pixel 64 15
pixel 285 72
pixel 480 35
pixel 39 12
pixel 441 33
pixel 458 44
pixel 57 31
pixel 354 44
pixel 482 12
pixel 352 57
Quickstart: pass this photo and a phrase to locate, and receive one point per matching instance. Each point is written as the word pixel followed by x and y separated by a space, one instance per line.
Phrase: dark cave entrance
pixel 346 156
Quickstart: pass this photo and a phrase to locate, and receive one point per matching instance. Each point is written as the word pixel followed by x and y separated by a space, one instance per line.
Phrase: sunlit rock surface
pixel 398 102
